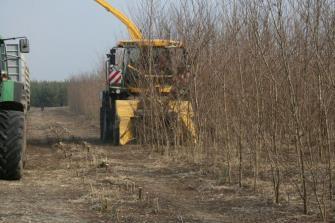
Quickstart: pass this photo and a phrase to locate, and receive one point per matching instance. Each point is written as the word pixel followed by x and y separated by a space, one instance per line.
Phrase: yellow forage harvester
pixel 145 65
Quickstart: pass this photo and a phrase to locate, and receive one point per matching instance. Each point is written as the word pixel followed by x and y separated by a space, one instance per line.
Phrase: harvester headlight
pixel 118 91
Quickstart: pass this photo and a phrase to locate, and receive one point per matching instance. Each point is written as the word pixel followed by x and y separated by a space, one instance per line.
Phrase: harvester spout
pixel 133 30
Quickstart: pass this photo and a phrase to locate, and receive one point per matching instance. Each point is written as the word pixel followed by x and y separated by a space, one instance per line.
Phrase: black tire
pixel 116 132
pixel 105 129
pixel 109 122
pixel 24 149
pixel 101 122
pixel 12 144
pixel 105 125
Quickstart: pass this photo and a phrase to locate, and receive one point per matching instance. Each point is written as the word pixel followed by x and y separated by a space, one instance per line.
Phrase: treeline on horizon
pixel 49 93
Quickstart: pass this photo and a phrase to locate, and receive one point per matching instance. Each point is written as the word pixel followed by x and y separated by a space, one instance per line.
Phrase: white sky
pixel 67 37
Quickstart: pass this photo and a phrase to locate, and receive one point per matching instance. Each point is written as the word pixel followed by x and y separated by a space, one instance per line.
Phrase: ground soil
pixel 71 177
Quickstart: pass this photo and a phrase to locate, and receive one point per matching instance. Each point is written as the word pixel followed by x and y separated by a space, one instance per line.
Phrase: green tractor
pixel 14 104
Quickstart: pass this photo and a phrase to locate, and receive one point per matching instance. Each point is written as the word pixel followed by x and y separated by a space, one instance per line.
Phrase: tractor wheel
pixel 12 144
pixel 24 148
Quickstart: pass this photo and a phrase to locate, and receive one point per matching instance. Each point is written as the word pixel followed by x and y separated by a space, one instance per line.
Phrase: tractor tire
pixel 12 144
pixel 24 148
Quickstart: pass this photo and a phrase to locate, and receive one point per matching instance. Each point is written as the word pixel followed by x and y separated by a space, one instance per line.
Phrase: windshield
pixel 163 61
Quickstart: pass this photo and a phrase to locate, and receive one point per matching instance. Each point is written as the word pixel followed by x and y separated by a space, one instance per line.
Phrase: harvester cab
pixel 136 67
pixel 14 103
pixel 133 65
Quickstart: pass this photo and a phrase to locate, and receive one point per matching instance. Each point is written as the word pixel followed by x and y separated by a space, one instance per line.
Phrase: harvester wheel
pixel 105 128
pixel 12 144
pixel 101 122
pixel 116 131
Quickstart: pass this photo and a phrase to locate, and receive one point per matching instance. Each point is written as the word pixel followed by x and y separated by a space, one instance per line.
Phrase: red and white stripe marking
pixel 115 76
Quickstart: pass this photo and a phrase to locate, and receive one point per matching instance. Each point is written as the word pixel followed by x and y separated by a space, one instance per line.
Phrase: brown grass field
pixel 261 82
pixel 81 180
pixel 262 77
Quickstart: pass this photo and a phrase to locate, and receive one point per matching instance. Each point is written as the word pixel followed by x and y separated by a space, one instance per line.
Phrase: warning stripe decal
pixel 115 76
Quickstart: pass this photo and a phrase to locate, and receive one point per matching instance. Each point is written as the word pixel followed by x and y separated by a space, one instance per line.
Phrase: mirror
pixel 24 45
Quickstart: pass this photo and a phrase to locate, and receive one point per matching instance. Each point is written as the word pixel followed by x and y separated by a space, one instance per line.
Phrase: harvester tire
pixel 101 123
pixel 116 132
pixel 12 144
pixel 105 128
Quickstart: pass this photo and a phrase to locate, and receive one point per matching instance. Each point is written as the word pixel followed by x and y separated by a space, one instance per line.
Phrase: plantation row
pixel 262 89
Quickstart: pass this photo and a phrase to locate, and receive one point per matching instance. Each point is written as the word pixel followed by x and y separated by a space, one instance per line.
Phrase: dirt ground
pixel 81 180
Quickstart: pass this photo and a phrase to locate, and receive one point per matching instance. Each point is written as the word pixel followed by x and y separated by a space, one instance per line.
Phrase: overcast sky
pixel 67 37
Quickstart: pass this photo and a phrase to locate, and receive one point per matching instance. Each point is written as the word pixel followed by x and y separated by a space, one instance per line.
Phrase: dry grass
pixel 84 92
pixel 262 91
pixel 89 180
